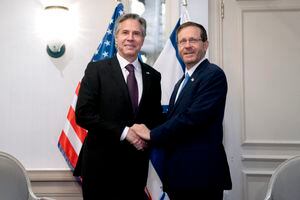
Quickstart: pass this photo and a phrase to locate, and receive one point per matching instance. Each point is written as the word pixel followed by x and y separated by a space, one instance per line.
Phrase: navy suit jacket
pixel 104 108
pixel 191 137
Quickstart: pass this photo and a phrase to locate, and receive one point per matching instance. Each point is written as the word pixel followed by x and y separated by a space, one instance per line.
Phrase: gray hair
pixel 133 16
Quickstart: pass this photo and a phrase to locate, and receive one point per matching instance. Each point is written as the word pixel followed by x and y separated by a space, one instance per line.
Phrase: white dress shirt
pixel 190 73
pixel 139 78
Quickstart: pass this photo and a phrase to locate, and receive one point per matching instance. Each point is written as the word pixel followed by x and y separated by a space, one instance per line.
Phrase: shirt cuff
pixel 124 133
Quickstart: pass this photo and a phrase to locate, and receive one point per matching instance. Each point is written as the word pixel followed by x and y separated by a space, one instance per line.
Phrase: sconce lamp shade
pixel 57 20
pixel 56 51
pixel 56 7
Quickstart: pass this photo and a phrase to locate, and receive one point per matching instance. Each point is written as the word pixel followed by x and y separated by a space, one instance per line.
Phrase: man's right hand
pixel 135 140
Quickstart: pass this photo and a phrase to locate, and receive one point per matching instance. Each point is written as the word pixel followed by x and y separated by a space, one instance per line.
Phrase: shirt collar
pixel 123 62
pixel 192 69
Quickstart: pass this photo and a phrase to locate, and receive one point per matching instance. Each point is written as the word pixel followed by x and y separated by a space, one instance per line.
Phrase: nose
pixel 130 36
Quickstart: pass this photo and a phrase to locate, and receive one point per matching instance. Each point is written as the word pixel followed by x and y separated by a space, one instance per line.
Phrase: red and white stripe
pixel 72 136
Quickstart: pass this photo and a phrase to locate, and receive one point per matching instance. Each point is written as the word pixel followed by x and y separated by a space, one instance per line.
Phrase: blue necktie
pixel 185 80
pixel 132 87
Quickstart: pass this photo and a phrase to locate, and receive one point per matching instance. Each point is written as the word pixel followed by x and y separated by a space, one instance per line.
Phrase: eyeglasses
pixel 191 41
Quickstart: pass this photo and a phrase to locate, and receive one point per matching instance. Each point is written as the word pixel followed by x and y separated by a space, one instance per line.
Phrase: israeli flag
pixel 171 67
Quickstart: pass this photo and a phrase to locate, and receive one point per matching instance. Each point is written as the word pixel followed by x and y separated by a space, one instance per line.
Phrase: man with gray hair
pixel 114 94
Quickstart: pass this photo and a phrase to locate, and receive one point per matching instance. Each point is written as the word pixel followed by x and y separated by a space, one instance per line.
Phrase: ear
pixel 206 44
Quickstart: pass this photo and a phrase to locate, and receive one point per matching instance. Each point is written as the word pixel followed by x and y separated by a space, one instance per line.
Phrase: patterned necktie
pixel 132 87
pixel 185 80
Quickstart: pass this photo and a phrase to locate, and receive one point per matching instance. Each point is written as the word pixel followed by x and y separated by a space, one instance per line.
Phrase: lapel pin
pixel 192 79
pixel 147 72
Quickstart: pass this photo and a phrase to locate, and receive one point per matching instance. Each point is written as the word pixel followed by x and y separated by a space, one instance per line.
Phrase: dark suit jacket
pixel 104 109
pixel 191 138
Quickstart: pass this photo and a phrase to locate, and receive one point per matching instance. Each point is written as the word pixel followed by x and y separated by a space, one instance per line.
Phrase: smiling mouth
pixel 189 54
pixel 130 46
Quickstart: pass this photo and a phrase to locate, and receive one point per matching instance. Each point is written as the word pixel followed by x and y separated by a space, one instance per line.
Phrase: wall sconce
pixel 137 7
pixel 56 25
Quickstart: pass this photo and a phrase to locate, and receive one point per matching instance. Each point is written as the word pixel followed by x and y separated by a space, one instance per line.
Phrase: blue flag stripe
pixel 174 43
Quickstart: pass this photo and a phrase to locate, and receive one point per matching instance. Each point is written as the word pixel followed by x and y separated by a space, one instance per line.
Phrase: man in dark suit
pixel 114 94
pixel 195 164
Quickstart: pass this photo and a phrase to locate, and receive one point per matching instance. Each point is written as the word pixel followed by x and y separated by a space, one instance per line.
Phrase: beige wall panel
pixel 271 75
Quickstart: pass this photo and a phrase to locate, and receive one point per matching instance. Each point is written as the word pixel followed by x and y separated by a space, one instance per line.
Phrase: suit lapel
pixel 173 96
pixel 146 76
pixel 186 88
pixel 189 85
pixel 118 79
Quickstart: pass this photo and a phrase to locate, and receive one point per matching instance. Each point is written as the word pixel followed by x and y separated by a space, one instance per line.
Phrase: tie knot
pixel 130 67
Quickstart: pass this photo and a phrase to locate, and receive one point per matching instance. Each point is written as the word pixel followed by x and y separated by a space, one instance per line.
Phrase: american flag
pixel 72 136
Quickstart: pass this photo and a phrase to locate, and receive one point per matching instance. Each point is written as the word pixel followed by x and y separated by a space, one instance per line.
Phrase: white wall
pixel 198 11
pixel 36 90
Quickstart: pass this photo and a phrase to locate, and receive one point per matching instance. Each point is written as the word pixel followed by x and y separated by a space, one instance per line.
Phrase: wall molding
pixel 215 32
pixel 256 0
pixel 57 184
pixel 50 175
pixel 243 9
pixel 265 158
pixel 247 142
pixel 261 175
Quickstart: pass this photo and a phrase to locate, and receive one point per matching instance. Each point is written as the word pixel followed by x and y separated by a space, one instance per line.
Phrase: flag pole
pixel 125 4
pixel 119 1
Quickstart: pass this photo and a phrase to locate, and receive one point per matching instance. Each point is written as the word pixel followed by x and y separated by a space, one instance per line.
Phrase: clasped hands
pixel 138 135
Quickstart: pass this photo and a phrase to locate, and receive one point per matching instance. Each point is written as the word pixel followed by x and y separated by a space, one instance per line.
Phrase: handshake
pixel 138 135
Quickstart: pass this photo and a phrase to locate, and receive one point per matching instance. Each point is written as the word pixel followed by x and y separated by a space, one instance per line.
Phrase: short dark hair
pixel 203 34
pixel 124 17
